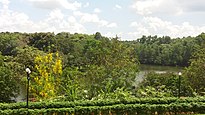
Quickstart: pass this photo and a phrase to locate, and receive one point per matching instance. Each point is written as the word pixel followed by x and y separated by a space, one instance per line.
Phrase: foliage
pixel 23 58
pixel 110 65
pixel 149 91
pixel 8 85
pixel 7 43
pixel 118 94
pixel 70 86
pixel 164 84
pixel 128 106
pixel 46 80
pixel 95 66
pixel 43 41
pixel 98 35
pixel 166 51
pixel 195 73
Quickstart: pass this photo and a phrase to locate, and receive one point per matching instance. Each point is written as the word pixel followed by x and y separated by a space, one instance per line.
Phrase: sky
pixel 128 19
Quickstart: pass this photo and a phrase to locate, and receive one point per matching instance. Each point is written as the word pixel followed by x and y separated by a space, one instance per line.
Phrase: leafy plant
pixel 46 79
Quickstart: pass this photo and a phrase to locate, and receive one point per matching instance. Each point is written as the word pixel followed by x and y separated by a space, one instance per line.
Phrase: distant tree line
pixel 166 50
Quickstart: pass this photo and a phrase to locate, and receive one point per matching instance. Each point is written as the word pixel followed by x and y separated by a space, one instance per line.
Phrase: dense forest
pixel 80 66
pixel 167 51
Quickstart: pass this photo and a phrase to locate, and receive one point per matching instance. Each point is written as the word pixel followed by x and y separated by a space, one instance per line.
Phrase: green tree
pixel 43 41
pixel 98 35
pixel 111 65
pixel 195 73
pixel 8 85
pixel 7 43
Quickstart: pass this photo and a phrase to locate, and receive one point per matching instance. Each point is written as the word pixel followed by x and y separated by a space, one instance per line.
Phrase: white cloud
pixel 93 18
pixel 134 24
pixel 157 26
pixel 97 10
pixel 109 34
pixel 118 6
pixel 112 25
pixel 86 17
pixel 53 4
pixel 113 34
pixel 176 7
pixel 56 21
pixel 56 14
pixel 138 33
pixel 146 7
pixel 5 3
pixel 72 19
pixel 11 21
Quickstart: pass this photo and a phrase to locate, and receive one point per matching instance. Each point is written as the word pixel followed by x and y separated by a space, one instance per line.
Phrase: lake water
pixel 22 94
pixel 145 69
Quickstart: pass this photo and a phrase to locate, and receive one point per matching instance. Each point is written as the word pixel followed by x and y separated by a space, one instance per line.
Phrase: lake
pixel 145 69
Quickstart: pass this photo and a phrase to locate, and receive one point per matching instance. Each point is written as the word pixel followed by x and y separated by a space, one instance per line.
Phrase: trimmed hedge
pixel 129 107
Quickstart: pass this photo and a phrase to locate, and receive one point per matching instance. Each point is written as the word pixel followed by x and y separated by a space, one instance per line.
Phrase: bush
pixel 128 106
pixel 164 85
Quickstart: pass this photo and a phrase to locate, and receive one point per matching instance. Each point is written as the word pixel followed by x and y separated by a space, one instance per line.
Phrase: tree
pixel 46 79
pixel 8 85
pixel 24 58
pixel 195 73
pixel 7 43
pixel 167 51
pixel 111 65
pixel 98 35
pixel 43 41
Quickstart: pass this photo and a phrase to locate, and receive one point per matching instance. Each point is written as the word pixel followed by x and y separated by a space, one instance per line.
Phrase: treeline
pixel 166 50
pixel 148 49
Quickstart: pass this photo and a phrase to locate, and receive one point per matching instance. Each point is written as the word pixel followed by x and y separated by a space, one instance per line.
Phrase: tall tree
pixel 195 73
pixel 46 79
pixel 8 85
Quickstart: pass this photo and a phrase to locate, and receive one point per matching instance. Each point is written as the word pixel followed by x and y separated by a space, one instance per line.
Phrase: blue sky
pixel 128 19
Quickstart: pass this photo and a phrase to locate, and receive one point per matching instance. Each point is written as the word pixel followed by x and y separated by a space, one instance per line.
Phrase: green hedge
pixel 129 106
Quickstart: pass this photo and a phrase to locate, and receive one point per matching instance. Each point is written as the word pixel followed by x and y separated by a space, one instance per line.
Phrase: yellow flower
pixel 46 59
pixel 58 67
pixel 47 68
pixel 50 57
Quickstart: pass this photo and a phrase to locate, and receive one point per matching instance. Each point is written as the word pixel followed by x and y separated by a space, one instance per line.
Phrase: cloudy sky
pixel 128 19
